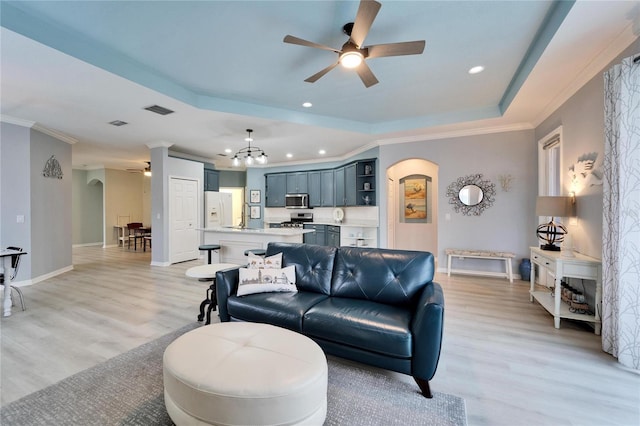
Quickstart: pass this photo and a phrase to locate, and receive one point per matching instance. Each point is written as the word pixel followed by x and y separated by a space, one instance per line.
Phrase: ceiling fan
pixel 353 54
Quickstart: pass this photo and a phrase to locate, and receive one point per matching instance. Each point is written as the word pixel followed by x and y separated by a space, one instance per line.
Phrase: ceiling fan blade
pixel 366 75
pixel 367 12
pixel 396 49
pixel 319 74
pixel 295 40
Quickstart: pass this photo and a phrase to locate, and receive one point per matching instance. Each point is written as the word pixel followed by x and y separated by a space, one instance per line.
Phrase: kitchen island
pixel 234 241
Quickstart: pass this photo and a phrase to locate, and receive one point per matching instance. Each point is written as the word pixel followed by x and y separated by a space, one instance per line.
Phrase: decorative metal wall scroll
pixel 52 168
pixel 471 195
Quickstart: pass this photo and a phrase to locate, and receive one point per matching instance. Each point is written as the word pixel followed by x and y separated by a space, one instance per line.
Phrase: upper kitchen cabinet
pixel 275 189
pixel 321 188
pixel 326 188
pixel 297 183
pixel 211 180
pixel 339 196
pixel 350 189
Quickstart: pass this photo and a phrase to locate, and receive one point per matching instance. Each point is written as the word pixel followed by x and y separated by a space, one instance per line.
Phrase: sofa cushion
pixel 360 323
pixel 381 275
pixel 314 264
pixel 281 309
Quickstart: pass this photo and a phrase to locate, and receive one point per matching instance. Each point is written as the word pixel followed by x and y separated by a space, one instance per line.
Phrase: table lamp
pixel 553 232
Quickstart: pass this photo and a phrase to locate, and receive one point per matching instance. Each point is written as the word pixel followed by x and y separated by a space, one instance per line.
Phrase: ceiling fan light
pixel 351 59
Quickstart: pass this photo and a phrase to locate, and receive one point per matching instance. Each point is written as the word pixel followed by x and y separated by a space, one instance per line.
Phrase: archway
pixel 412 208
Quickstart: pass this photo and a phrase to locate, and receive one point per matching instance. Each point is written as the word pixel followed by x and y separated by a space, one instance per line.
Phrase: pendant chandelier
pixel 250 154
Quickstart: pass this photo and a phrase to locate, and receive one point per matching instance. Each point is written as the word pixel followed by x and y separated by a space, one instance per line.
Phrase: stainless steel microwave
pixel 296 201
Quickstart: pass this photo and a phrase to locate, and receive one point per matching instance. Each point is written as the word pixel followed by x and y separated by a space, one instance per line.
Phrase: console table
pixel 562 266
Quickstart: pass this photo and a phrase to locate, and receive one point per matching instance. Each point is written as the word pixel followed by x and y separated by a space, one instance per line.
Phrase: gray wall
pixel 582 120
pixel 508 224
pixel 16 186
pixel 44 202
pixel 51 206
pixel 87 209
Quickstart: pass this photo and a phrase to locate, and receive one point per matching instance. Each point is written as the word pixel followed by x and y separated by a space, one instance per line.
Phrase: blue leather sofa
pixel 375 306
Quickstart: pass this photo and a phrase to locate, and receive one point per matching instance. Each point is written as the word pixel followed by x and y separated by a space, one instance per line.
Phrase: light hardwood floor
pixel 500 352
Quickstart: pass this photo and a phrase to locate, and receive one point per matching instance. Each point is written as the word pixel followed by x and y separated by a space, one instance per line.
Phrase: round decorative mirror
pixel 470 195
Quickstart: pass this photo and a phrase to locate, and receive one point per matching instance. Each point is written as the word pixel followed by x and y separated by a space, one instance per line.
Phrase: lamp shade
pixel 554 206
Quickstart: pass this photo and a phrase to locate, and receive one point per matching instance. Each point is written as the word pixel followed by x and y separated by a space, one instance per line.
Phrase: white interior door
pixel 183 204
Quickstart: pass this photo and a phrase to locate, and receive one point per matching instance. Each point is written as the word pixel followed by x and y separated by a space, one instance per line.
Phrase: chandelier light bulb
pixel 236 161
pixel 248 160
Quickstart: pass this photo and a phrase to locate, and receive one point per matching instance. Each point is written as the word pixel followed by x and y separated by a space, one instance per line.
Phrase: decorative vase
pixel 525 269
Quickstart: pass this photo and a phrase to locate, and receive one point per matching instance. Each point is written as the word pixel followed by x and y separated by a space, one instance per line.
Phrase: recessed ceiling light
pixel 228 151
pixel 289 155
pixel 322 152
pixel 476 70
pixel 307 104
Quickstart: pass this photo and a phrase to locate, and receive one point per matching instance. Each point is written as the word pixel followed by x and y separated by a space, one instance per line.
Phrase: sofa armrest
pixel 226 285
pixel 427 326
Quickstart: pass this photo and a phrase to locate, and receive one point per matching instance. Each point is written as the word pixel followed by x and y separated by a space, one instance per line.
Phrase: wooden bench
pixel 481 254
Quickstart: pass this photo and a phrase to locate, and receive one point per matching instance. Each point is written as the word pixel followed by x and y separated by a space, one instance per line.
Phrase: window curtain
pixel 621 214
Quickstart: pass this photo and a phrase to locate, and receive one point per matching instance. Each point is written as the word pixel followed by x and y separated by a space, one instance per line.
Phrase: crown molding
pixel 458 133
pixel 17 121
pixel 159 144
pixel 597 64
pixel 54 133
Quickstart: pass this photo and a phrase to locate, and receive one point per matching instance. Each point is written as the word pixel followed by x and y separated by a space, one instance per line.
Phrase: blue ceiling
pixel 228 56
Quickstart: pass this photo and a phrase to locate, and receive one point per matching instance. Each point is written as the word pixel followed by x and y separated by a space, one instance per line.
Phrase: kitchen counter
pixel 234 241
pixel 283 232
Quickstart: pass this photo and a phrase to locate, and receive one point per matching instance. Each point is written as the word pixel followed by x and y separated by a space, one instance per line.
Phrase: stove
pixel 298 220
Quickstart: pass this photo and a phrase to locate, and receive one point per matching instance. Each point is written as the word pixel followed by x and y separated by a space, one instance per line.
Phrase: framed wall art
pixel 254 212
pixel 254 196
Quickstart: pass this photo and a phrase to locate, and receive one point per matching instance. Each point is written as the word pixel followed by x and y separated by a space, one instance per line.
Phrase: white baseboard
pixel 99 243
pixel 40 278
pixel 154 263
pixel 111 245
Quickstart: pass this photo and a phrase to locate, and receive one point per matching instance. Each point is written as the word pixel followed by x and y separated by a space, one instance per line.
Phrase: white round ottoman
pixel 238 373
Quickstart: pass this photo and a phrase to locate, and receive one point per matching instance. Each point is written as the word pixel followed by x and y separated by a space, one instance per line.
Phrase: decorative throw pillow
pixel 265 280
pixel 271 262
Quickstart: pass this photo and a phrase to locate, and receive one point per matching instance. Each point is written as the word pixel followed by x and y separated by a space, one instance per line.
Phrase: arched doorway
pixel 412 210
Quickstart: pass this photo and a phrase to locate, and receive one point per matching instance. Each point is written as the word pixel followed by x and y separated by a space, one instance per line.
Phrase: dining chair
pixel 15 262
pixel 134 234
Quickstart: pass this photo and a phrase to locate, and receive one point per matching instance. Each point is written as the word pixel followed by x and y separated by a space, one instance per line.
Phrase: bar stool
pixel 208 273
pixel 257 252
pixel 209 248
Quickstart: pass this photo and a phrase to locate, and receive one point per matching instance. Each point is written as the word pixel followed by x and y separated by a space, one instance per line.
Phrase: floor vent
pixel 159 110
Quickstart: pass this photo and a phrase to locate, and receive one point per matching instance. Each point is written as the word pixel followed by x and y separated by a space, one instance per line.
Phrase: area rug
pixel 127 390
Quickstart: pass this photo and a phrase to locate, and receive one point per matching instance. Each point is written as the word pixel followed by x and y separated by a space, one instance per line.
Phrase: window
pixel 550 163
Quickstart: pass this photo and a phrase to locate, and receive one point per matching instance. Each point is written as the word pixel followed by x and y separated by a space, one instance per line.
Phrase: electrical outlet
pixel 20 218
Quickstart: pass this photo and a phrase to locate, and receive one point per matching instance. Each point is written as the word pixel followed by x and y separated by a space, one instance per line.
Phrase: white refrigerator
pixel 217 207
